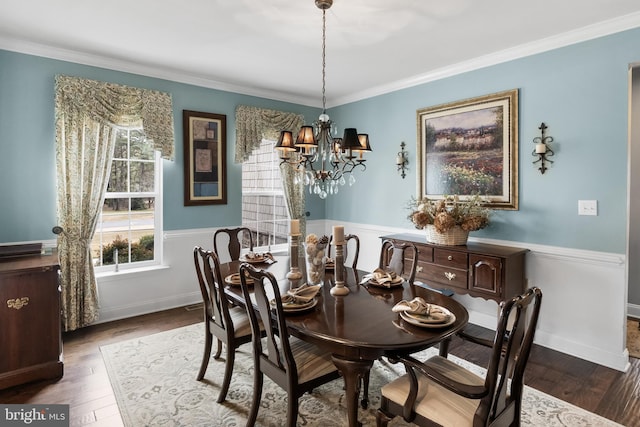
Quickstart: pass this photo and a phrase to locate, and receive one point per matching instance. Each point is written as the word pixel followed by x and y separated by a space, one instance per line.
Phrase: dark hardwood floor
pixel 85 385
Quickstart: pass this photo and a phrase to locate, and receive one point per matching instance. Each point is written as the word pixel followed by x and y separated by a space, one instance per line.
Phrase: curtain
pixel 252 125
pixel 86 112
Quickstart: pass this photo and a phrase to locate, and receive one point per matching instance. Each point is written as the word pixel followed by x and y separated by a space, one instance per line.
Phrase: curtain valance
pixel 253 124
pixel 113 104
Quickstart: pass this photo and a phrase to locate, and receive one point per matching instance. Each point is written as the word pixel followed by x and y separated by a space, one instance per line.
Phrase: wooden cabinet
pixel 30 335
pixel 480 270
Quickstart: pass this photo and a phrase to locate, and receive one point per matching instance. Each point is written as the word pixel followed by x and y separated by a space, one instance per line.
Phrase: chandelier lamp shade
pixel 323 161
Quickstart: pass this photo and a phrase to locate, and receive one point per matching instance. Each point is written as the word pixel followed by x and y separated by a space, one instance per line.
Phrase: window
pixel 129 227
pixel 264 209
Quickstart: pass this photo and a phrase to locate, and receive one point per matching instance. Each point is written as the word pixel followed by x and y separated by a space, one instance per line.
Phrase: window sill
pixel 106 276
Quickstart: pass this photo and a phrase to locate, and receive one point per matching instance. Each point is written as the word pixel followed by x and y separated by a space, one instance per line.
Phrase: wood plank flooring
pixel 85 385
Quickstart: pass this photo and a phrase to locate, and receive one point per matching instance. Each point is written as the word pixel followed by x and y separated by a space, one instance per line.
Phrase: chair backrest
pixel 232 240
pixel 276 358
pixel 394 255
pixel 512 345
pixel 351 250
pixel 216 304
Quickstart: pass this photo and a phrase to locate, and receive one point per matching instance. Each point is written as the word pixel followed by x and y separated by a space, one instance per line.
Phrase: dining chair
pixel 235 240
pixel 228 324
pixel 441 392
pixel 295 365
pixel 351 249
pixel 395 256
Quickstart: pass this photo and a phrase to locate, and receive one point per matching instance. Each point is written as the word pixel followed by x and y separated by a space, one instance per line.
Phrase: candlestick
pixel 338 234
pixel 294 271
pixel 294 227
pixel 339 289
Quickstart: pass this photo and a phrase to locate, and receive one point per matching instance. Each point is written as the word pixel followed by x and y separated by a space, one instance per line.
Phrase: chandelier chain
pixel 324 44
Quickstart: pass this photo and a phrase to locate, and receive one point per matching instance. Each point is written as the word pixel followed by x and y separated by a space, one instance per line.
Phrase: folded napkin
pixel 423 308
pixel 301 294
pixel 234 279
pixel 381 277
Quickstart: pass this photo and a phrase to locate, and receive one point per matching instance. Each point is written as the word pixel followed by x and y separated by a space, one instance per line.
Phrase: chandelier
pixel 323 162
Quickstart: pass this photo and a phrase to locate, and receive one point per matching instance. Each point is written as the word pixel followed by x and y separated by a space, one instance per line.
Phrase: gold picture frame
pixel 470 147
pixel 205 169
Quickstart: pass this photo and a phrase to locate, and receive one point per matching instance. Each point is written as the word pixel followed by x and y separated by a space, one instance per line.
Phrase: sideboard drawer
pixel 453 259
pixel 445 275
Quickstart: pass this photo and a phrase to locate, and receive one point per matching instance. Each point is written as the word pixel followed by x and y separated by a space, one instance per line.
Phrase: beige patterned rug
pixel 153 379
pixel 633 338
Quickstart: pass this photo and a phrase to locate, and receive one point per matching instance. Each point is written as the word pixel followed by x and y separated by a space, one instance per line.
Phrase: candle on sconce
pixel 338 234
pixel 541 148
pixel 294 227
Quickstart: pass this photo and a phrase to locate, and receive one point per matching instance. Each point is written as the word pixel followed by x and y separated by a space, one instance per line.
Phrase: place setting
pixel 258 258
pixel 418 312
pixel 382 279
pixel 300 299
pixel 235 280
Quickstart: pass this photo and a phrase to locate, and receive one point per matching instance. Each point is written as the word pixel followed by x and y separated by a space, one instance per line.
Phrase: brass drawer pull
pixel 449 275
pixel 17 303
pixel 419 269
pixel 450 258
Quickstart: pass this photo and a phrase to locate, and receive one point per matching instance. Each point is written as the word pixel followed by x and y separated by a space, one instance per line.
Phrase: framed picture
pixel 470 147
pixel 205 171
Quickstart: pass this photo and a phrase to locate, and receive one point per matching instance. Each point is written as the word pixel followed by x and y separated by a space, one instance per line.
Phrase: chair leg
pixel 218 350
pixel 205 357
pixel 257 395
pixel 365 391
pixel 228 370
pixel 292 411
pixel 381 419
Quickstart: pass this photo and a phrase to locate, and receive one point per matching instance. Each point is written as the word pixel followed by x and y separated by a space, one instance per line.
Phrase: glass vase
pixel 315 260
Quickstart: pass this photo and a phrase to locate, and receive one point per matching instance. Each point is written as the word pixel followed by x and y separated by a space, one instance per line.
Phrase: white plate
pixel 409 319
pixel 234 280
pixel 428 319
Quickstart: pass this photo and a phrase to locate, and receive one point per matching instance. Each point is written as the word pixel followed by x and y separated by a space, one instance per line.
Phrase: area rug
pixel 153 379
pixel 633 338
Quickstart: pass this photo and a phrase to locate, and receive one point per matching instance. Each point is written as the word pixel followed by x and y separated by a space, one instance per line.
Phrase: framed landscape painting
pixel 470 147
pixel 205 172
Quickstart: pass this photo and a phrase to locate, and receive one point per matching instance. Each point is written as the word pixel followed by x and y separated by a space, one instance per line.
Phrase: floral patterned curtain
pixel 252 125
pixel 86 112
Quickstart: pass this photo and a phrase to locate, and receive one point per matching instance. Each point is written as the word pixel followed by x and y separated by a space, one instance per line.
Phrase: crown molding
pixel 590 32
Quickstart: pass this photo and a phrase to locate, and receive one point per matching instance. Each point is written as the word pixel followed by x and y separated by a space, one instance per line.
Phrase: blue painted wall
pixel 580 92
pixel 27 146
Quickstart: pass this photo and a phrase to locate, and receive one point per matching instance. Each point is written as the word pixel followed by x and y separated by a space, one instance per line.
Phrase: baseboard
pixel 147 307
pixel 633 310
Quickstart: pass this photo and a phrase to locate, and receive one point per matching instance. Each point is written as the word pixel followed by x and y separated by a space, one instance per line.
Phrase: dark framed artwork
pixel 205 171
pixel 470 147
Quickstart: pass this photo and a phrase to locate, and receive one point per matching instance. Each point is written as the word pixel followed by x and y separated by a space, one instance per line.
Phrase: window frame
pixel 157 223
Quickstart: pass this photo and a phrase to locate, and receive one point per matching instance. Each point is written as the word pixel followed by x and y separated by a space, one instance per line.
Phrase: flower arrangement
pixel 446 213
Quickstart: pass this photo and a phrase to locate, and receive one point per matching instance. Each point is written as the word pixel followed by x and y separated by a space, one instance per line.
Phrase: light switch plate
pixel 587 207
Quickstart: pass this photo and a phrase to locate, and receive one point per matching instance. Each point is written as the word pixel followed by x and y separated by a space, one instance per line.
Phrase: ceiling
pixel 272 48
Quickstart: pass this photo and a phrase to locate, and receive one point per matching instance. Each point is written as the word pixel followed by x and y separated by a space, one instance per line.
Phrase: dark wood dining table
pixel 357 328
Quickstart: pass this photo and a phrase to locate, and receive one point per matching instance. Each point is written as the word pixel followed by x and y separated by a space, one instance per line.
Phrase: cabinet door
pixel 485 275
pixel 30 319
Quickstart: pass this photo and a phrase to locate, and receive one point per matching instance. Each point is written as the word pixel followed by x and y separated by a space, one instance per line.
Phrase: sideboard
pixel 30 332
pixel 480 270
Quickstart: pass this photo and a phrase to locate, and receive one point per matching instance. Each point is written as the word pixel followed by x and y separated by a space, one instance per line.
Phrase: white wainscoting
pixel 584 304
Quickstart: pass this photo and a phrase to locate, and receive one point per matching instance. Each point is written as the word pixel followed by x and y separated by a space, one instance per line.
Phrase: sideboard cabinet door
pixel 30 331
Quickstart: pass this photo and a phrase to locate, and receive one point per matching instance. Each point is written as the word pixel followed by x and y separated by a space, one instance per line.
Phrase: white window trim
pixel 157 262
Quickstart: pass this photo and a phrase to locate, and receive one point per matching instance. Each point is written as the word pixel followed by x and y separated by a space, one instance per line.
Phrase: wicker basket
pixel 454 236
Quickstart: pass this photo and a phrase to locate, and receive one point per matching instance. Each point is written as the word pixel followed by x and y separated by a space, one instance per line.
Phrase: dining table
pixel 357 328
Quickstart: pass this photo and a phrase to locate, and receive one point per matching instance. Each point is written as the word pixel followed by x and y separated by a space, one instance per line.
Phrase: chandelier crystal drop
pixel 323 162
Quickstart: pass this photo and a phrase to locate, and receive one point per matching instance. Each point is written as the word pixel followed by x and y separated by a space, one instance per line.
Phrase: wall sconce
pixel 542 149
pixel 402 161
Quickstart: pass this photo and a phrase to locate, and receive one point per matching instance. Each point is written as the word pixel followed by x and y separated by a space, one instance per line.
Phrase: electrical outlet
pixel 587 207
